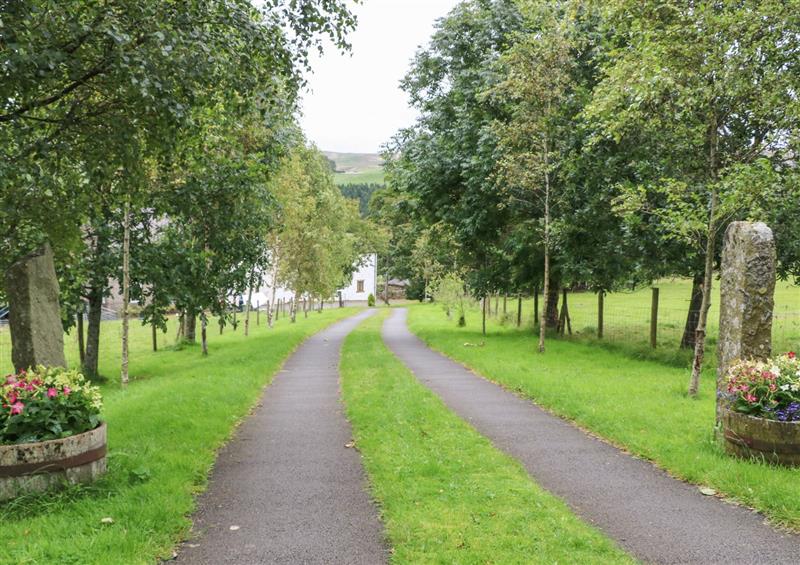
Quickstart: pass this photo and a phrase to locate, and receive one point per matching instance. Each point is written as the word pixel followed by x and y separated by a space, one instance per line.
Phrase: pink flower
pixel 12 398
pixel 17 408
pixel 773 387
pixel 51 392
pixel 67 390
pixel 791 355
pixel 751 399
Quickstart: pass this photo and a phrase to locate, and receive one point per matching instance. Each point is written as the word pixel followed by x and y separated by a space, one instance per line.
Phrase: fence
pixel 653 318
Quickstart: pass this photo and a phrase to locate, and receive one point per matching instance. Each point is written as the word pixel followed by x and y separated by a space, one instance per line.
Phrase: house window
pixel 359 286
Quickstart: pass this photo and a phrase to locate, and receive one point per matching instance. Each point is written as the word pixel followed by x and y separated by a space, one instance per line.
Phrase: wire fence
pixel 641 321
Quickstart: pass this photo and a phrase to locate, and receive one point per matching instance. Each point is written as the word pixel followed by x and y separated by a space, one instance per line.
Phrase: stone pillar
pixel 746 297
pixel 37 337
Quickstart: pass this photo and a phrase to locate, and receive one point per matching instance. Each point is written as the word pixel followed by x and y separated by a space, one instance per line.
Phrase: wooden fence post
pixel 654 319
pixel 600 296
pixel 519 310
pixel 536 319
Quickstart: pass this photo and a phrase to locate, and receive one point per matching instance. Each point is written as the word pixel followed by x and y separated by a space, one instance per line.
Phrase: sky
pixel 354 102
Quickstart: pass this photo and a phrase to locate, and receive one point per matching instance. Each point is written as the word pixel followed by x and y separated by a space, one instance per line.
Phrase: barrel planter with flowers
pixel 762 419
pixel 50 431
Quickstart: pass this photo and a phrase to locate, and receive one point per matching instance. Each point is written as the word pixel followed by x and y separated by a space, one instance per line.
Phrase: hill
pixel 356 168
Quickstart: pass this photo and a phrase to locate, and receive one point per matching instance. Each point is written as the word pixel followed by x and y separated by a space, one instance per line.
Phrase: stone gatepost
pixel 37 337
pixel 746 298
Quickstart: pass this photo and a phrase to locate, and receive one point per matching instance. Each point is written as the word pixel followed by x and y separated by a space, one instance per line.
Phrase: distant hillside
pixel 356 168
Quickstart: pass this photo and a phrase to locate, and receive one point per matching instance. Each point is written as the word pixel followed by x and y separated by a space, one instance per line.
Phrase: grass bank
pixel 163 433
pixel 641 406
pixel 447 495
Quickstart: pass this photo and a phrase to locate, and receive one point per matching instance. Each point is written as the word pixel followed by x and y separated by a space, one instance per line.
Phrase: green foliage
pixel 371 300
pixel 451 292
pixel 361 192
pixel 321 235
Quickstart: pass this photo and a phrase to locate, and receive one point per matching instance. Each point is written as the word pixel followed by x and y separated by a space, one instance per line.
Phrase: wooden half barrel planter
pixel 760 438
pixel 36 467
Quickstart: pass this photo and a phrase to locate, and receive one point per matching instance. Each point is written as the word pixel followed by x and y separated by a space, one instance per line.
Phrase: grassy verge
pixel 639 405
pixel 447 495
pixel 164 431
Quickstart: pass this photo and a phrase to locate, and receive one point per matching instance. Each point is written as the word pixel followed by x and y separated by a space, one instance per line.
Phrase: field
pixel 163 432
pixel 357 168
pixel 627 316
pixel 373 176
pixel 639 405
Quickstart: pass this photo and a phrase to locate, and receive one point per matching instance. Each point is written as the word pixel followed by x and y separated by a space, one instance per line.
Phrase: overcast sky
pixel 354 103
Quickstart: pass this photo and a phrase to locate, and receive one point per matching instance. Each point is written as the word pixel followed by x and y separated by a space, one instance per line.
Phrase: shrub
pixel 47 403
pixel 371 300
pixel 767 389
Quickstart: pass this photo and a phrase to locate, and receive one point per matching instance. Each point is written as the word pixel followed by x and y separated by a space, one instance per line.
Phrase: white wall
pixel 367 275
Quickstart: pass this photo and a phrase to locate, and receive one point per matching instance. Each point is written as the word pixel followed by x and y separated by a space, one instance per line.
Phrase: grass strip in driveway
pixel 641 406
pixel 163 432
pixel 446 494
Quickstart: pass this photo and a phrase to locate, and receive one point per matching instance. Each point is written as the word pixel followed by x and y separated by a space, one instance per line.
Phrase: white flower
pixel 785 387
pixel 775 370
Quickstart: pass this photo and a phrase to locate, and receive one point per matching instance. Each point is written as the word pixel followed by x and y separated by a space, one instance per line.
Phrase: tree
pixel 446 160
pixel 321 236
pixel 710 88
pixel 85 81
pixel 534 139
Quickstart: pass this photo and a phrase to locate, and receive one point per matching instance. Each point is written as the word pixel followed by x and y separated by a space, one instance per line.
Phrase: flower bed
pixel 766 389
pixel 50 430
pixel 762 419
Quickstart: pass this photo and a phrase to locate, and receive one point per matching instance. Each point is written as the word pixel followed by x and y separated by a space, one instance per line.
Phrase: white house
pixel 363 283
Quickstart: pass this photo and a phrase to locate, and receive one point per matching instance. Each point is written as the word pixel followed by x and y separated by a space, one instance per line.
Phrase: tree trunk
pixel 90 364
pixel 247 311
pixel 386 289
pixel 155 337
pixel 543 320
pixel 536 305
pixel 705 304
pixel 204 335
pixel 693 316
pixel 551 307
pixel 294 307
pixel 708 273
pixel 190 327
pixel 269 314
pixel 81 342
pixel 519 310
pixel 126 291
pixel 483 314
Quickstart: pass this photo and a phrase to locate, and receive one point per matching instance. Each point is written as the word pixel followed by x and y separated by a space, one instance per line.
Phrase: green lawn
pixel 446 494
pixel 639 405
pixel 163 431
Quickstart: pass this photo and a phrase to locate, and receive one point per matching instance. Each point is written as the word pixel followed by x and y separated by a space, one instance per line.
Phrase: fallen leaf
pixel 350 444
pixel 234 528
pixel 107 520
pixel 708 491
